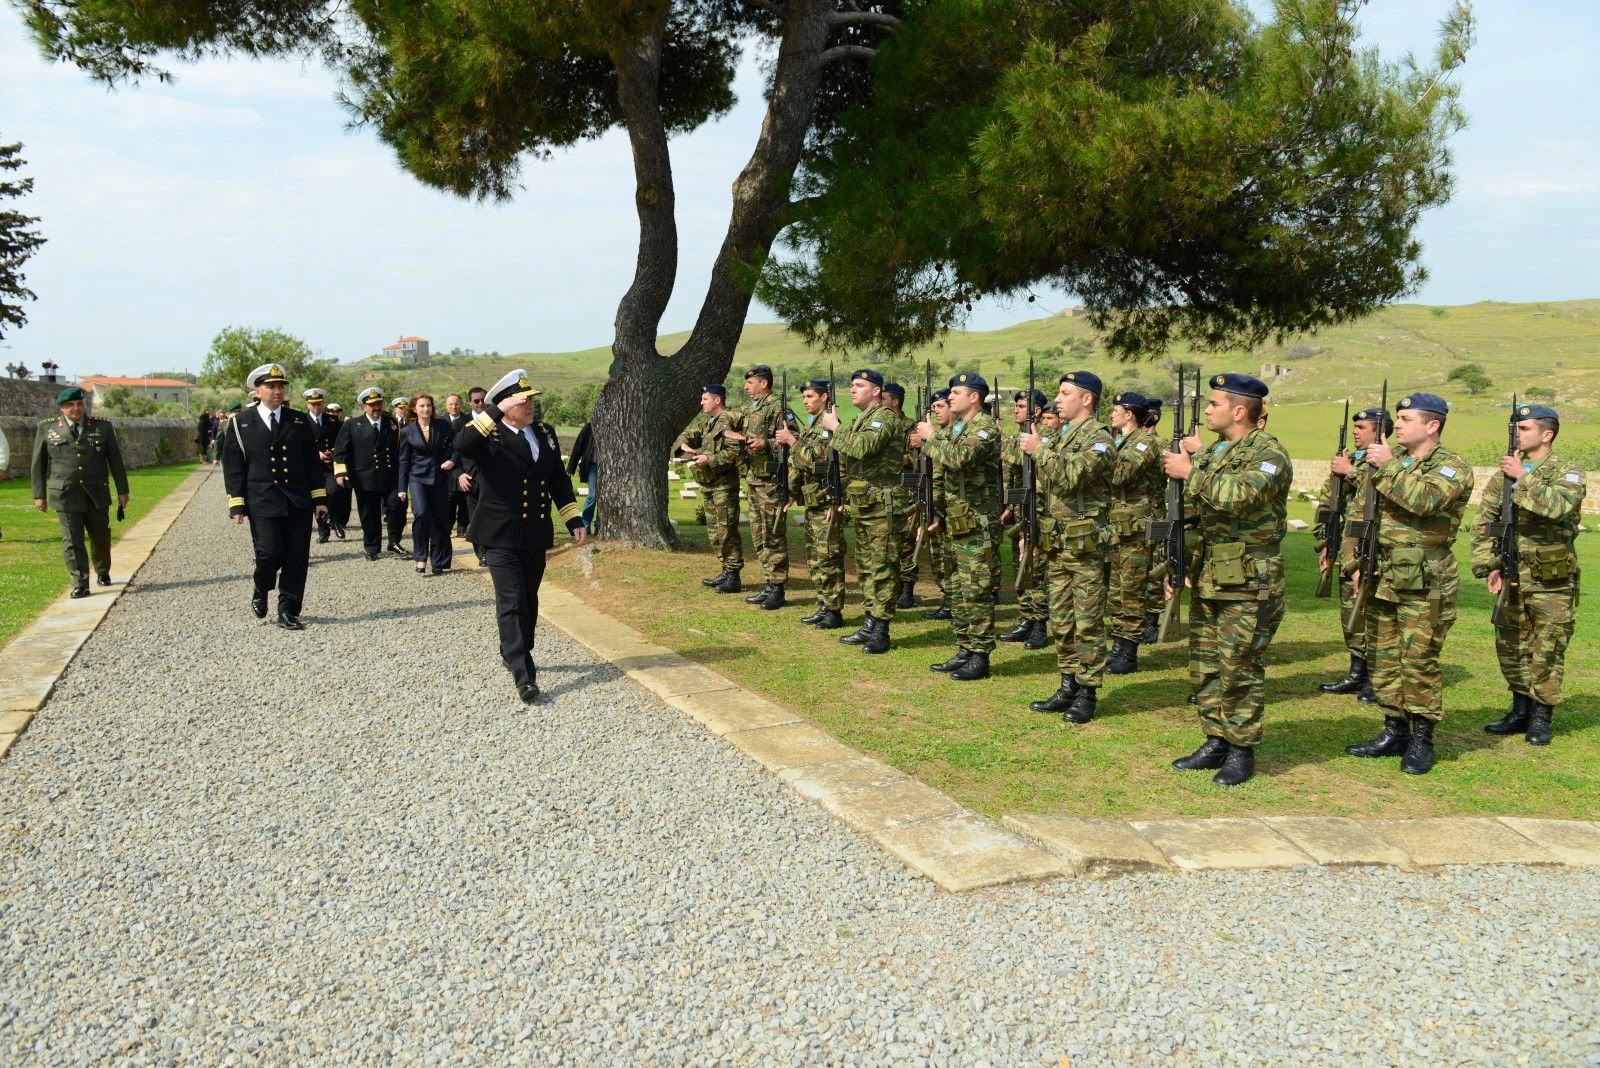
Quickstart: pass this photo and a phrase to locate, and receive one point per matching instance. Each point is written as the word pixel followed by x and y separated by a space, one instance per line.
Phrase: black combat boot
pixel 860 636
pixel 878 640
pixel 1081 710
pixel 760 595
pixel 976 667
pixel 1418 759
pixel 907 597
pixel 1040 636
pixel 1018 633
pixel 730 583
pixel 1058 701
pixel 814 616
pixel 1391 741
pixel 1152 627
pixel 1237 766
pixel 1353 681
pixel 1123 658
pixel 1539 722
pixel 942 612
pixel 831 620
pixel 715 580
pixel 774 599
pixel 1514 721
pixel 1367 696
pixel 960 657
pixel 1213 752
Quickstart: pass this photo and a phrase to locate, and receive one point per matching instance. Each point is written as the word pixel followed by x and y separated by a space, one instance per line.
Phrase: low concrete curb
pixel 41 651
pixel 961 850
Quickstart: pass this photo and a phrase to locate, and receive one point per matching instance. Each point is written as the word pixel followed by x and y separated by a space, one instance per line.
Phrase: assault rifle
pixel 1169 532
pixel 832 475
pixel 1331 515
pixel 1366 530
pixel 1505 536
pixel 780 466
pixel 1027 497
pixel 923 474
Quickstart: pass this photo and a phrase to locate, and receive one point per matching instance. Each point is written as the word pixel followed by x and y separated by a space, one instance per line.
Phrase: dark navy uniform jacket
pixel 268 475
pixel 516 493
pixel 366 455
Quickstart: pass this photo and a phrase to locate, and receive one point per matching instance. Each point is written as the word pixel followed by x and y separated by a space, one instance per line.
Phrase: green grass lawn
pixel 30 554
pixel 980 743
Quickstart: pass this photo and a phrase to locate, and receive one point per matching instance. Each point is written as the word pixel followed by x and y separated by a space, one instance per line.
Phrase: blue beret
pixel 68 395
pixel 1240 385
pixel 716 389
pixel 1084 380
pixel 760 370
pixel 895 389
pixel 941 394
pixel 1049 408
pixel 1373 415
pixel 1537 411
pixel 875 377
pixel 1152 404
pixel 971 380
pixel 819 385
pixel 1424 402
pixel 1039 399
pixel 1130 399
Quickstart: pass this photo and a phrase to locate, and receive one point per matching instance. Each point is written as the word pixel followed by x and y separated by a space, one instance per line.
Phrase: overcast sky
pixel 236 196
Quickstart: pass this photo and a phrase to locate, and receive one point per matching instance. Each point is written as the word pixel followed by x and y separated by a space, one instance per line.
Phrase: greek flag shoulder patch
pixel 1269 467
pixel 876 424
pixel 1574 478
pixel 1448 472
pixel 983 435
pixel 1099 446
pixel 1142 447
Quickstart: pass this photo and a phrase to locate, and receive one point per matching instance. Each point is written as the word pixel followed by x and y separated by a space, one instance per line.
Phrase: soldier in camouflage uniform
pixel 1033 606
pixel 759 420
pixel 904 503
pixel 1421 499
pixel 1137 483
pixel 1238 489
pixel 1074 472
pixel 938 545
pixel 1367 427
pixel 808 443
pixel 1155 595
pixel 714 453
pixel 872 455
pixel 967 455
pixel 1539 613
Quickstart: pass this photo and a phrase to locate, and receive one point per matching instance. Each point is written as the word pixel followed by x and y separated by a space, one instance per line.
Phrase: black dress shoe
pixel 1019 633
pixel 1418 757
pixel 1539 716
pixel 1040 637
pixel 860 636
pixel 1391 741
pixel 1237 766
pixel 80 591
pixel 372 556
pixel 1353 680
pixel 258 604
pixel 528 691
pixel 290 621
pixel 955 661
pixel 1081 710
pixel 1212 752
pixel 831 620
pixel 338 532
pixel 102 580
pixel 398 549
pixel 1514 721
pixel 1058 701
pixel 976 667
pixel 322 537
pixel 878 641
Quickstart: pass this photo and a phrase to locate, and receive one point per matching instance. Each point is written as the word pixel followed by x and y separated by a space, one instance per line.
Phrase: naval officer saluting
pixel 519 478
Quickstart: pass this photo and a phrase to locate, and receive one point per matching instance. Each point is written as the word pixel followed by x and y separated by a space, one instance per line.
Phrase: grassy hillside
pixel 1555 345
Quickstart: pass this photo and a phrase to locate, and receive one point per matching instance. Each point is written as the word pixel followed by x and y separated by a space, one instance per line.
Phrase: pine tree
pixel 17 242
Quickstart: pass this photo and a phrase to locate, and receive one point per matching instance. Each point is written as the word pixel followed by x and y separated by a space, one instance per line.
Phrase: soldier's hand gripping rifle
pixel 1366 530
pixel 1027 497
pixel 780 466
pixel 1331 516
pixel 1505 536
pixel 1168 533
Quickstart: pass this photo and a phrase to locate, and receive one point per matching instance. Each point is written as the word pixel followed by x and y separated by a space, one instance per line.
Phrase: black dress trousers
pixel 369 506
pixel 283 555
pixel 516 574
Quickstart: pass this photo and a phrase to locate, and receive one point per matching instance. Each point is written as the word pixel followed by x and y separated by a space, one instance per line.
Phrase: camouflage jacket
pixel 761 419
pixel 966 455
pixel 1549 500
pixel 1137 483
pixel 1075 471
pixel 1420 505
pixel 711 440
pixel 807 457
pixel 871 449
pixel 1240 494
pixel 1355 485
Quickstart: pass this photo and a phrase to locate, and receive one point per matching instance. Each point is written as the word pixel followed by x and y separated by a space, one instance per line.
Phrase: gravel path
pixel 223 841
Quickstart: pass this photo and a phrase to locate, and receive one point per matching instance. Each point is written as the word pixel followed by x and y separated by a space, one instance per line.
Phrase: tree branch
pixel 656 266
pixel 838 52
pixel 862 18
pixel 768 6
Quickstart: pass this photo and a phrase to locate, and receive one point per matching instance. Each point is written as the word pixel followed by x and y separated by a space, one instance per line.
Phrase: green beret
pixel 68 395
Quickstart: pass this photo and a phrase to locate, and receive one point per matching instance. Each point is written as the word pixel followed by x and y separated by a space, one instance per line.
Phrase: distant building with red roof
pixel 161 390
pixel 412 349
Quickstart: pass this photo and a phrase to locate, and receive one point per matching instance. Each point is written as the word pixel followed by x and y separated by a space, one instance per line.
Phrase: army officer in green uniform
pixel 73 455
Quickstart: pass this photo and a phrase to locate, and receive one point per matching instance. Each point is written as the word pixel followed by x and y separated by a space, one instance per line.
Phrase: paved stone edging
pixel 36 657
pixel 961 850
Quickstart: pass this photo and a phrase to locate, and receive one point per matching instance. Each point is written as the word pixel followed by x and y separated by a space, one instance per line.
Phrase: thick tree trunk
pixel 649 398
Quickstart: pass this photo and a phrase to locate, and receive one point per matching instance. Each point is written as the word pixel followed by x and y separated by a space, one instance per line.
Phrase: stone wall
pixel 145 442
pixel 28 399
pixel 1309 476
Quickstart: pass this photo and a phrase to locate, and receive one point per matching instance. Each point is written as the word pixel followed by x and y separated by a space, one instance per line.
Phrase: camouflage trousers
pixel 1405 638
pixel 939 558
pixel 1032 600
pixel 1128 590
pixel 721 505
pixel 1228 643
pixel 1077 584
pixel 971 591
pixel 772 549
pixel 877 556
pixel 1533 655
pixel 1355 632
pixel 906 534
pixel 825 556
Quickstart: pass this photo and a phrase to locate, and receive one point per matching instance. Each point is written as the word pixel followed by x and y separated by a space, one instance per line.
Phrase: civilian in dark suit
pixel 458 497
pixel 364 458
pixel 466 469
pixel 519 480
pixel 584 462
pixel 427 456
pixel 273 476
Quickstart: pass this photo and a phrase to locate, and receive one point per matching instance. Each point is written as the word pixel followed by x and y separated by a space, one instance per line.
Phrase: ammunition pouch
pixel 1227 561
pixel 1549 563
pixel 859 494
pixel 1125 520
pixel 1406 569
pixel 1074 535
pixel 961 519
pixel 1047 535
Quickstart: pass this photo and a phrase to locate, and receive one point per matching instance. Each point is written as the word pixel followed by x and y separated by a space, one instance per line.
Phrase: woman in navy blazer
pixel 427 448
